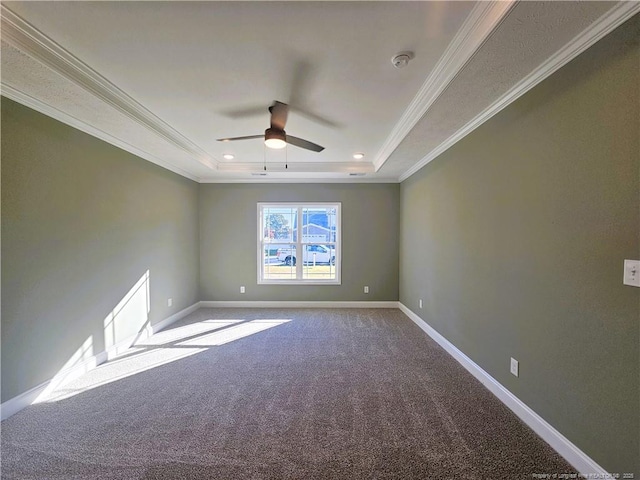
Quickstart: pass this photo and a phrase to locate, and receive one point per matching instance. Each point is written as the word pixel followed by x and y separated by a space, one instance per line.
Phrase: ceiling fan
pixel 275 136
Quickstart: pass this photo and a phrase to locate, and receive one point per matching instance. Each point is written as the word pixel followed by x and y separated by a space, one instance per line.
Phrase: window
pixel 299 243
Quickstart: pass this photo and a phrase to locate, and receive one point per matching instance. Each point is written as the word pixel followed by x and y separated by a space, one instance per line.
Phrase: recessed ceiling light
pixel 358 156
pixel 228 156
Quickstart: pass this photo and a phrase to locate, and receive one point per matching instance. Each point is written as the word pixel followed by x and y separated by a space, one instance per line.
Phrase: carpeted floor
pixel 276 394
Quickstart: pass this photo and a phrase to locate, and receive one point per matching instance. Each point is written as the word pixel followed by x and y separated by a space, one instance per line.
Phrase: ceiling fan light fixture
pixel 275 143
pixel 274 138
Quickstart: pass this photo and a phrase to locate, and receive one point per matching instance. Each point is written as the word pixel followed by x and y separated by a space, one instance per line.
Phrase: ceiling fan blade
pixel 300 81
pixel 299 142
pixel 315 117
pixel 279 112
pixel 249 137
pixel 304 74
pixel 249 111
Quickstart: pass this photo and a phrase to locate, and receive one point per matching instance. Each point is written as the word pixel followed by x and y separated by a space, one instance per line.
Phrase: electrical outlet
pixel 631 273
pixel 169 302
pixel 242 289
pixel 366 289
pixel 420 303
pixel 514 367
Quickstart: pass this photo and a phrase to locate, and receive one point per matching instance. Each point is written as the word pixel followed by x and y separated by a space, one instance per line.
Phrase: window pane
pixel 316 224
pixel 280 264
pixel 278 224
pixel 319 263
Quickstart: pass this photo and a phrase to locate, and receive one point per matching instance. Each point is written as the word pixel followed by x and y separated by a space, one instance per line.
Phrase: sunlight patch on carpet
pixel 161 349
pixel 234 333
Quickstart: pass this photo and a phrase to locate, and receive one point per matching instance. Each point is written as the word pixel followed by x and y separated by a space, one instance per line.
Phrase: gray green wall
pixel 515 240
pixel 228 235
pixel 82 221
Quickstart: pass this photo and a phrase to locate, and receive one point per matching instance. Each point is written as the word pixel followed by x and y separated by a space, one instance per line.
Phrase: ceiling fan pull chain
pixel 286 158
pixel 264 151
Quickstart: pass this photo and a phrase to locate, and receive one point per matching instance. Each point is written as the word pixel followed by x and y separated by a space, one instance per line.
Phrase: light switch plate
pixel 514 367
pixel 631 273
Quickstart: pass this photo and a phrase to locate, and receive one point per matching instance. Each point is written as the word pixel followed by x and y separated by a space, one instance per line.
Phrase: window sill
pixel 299 282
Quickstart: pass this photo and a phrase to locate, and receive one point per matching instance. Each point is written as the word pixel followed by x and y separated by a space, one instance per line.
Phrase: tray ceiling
pixel 164 80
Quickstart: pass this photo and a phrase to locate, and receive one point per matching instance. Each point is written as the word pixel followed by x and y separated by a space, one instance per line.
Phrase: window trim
pixel 299 280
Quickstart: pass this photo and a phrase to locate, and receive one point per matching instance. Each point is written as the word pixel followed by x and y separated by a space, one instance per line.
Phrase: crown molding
pixel 596 31
pixel 46 109
pixel 301 167
pixel 35 44
pixel 309 172
pixel 278 178
pixel 482 20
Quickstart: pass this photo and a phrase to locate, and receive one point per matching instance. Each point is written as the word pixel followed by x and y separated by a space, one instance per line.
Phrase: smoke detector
pixel 401 60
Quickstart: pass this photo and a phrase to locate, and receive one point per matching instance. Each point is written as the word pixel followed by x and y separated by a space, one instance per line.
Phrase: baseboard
pixel 296 304
pixel 576 457
pixel 15 404
pixel 174 318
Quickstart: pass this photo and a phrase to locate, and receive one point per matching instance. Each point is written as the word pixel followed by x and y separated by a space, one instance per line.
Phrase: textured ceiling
pixel 164 80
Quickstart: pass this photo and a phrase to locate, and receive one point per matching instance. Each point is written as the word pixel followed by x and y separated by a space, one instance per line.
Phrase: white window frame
pixel 299 280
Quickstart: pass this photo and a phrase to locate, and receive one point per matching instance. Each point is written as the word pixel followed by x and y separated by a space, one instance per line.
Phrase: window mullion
pixel 260 242
pixel 299 249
